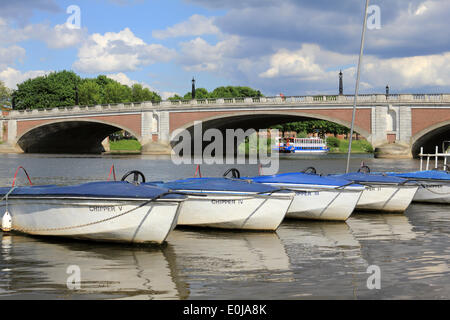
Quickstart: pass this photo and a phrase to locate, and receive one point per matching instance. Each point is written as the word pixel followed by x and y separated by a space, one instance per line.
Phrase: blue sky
pixel 294 47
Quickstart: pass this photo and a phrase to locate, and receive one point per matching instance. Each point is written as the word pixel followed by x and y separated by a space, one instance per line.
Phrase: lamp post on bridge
pixel 193 88
pixel 77 101
pixel 341 84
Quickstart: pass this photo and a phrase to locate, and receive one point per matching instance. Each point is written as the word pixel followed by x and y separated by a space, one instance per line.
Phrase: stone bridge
pixel 397 124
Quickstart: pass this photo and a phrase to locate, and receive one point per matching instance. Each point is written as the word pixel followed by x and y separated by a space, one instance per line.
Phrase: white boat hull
pixel 387 198
pixel 235 211
pixel 433 192
pixel 320 203
pixel 101 220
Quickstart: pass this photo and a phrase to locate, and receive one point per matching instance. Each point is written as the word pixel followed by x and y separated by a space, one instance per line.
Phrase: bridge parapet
pixel 317 100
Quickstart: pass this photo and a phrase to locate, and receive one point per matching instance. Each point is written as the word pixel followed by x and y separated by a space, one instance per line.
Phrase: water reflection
pixel 200 254
pixel 369 226
pixel 321 241
pixel 5 264
pixel 107 271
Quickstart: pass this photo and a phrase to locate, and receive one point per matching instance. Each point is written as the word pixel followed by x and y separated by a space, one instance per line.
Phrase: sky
pixel 294 47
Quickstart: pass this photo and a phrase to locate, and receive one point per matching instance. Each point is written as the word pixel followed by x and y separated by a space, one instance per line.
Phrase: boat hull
pixel 319 203
pixel 433 192
pixel 235 211
pixel 386 198
pixel 130 221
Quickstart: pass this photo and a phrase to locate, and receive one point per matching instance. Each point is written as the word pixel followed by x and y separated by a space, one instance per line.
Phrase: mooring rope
pixel 432 191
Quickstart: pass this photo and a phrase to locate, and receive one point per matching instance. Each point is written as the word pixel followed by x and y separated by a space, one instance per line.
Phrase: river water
pixel 302 260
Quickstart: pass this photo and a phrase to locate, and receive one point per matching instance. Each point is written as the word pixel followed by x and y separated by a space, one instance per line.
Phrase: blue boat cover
pixel 215 184
pixel 103 189
pixel 427 174
pixel 302 178
pixel 360 177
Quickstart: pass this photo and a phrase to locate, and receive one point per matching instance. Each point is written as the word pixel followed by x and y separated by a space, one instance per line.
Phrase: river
pixel 302 260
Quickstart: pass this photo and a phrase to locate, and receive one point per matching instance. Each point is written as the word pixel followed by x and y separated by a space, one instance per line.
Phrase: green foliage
pixel 200 93
pixel 125 145
pixel 365 146
pixel 234 92
pixel 90 92
pixel 114 92
pixel 358 146
pixel 314 126
pixel 5 95
pixel 302 134
pixel 176 97
pixel 58 89
pixel 140 93
pixel 333 142
pixel 53 90
pixel 220 92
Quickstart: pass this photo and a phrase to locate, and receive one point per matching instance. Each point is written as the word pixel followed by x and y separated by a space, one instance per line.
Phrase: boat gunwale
pixel 68 197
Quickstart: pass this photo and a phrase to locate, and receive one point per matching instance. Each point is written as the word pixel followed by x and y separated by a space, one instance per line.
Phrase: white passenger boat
pixel 103 211
pixel 316 197
pixel 382 193
pixel 301 145
pixel 230 203
pixel 434 185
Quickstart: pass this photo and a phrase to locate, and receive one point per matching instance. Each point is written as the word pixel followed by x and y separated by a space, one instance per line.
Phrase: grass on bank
pixel 341 146
pixel 125 145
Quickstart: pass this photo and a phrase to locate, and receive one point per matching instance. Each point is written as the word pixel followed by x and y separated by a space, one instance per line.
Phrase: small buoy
pixel 6 222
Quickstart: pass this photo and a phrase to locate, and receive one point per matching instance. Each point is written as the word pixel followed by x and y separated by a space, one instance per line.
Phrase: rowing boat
pixel 316 197
pixel 230 203
pixel 382 193
pixel 434 185
pixel 102 211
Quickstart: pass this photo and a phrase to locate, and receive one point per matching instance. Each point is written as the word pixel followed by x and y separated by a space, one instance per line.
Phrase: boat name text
pixel 105 208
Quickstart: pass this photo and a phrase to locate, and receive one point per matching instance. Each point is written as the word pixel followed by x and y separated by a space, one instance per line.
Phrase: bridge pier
pixel 391 131
pixel 155 132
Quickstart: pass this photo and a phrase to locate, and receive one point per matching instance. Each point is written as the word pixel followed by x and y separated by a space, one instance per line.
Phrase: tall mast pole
pixel 357 86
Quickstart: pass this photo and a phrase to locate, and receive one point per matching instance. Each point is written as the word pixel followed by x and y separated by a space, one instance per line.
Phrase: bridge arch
pixel 265 119
pixel 258 120
pixel 431 137
pixel 69 136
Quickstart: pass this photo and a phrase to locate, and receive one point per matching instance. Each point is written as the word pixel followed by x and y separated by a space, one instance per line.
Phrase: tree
pixel 90 92
pixel 58 89
pixel 223 92
pixel 175 97
pixel 200 93
pixel 53 90
pixel 139 94
pixel 114 92
pixel 5 95
pixel 234 92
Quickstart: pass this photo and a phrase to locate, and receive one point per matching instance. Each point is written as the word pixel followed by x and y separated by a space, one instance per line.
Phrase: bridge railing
pixel 256 101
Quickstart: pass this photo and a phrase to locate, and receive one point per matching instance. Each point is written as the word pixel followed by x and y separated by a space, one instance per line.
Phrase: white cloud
pixel 199 55
pixel 60 36
pixel 121 51
pixel 197 25
pixel 11 77
pixel 10 54
pixel 313 64
pixel 57 37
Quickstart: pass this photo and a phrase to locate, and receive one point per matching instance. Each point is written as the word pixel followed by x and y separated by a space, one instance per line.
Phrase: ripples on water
pixel 302 260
